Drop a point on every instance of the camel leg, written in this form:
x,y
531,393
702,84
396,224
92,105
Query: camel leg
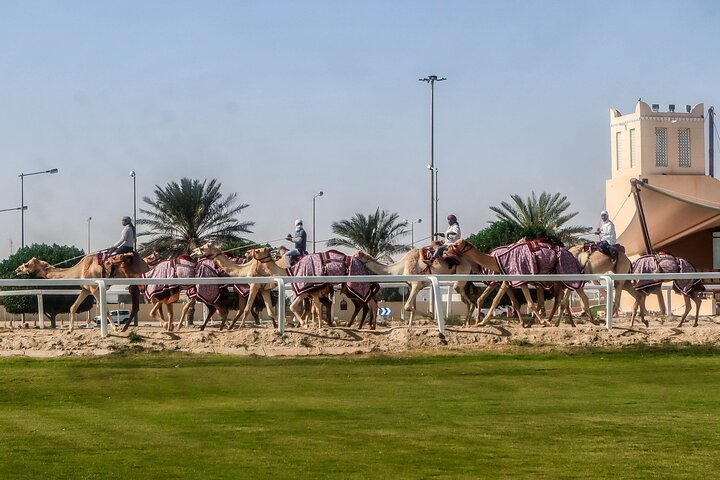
x,y
586,304
459,287
223,312
184,313
295,309
242,303
211,311
496,301
357,307
488,290
559,291
528,298
687,310
254,289
372,312
415,288
171,316
698,300
267,299
74,307
619,287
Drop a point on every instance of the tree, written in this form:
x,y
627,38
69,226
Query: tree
x,y
547,212
188,214
502,232
505,232
52,304
375,234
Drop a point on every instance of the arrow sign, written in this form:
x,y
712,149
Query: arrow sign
x,y
384,311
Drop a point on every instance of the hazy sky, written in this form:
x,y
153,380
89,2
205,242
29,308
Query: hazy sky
x,y
280,99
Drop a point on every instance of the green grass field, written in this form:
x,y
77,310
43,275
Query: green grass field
x,y
622,415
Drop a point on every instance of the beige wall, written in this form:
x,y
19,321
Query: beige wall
x,y
644,121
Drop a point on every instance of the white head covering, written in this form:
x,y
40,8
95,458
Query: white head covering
x,y
604,212
298,222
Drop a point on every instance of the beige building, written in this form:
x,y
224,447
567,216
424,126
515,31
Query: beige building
x,y
663,152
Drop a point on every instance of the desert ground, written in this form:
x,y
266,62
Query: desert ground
x,y
390,338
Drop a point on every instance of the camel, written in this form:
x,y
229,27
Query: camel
x,y
117,266
412,264
467,250
260,265
665,263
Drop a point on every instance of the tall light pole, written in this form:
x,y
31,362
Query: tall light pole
x,y
435,171
318,194
431,79
88,220
23,207
132,174
412,232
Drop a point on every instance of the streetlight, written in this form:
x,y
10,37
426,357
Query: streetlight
x,y
435,170
412,232
318,194
23,207
431,79
16,208
88,220
132,174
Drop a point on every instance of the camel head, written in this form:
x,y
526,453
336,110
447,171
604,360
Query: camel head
x,y
153,259
209,250
34,267
457,247
362,256
261,254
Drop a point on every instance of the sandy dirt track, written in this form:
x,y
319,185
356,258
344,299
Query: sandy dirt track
x,y
396,338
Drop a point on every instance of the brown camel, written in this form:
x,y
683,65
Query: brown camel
x,y
412,264
118,266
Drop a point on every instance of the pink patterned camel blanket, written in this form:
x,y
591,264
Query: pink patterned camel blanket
x,y
208,294
180,267
332,263
666,263
535,258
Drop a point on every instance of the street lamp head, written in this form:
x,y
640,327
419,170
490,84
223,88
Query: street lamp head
x,y
132,173
52,170
89,218
419,220
320,193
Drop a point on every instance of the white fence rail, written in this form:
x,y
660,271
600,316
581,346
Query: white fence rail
x,y
434,281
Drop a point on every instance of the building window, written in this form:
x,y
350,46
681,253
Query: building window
x,y
661,147
716,250
618,150
633,148
684,147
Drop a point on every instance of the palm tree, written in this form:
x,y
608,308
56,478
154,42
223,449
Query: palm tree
x,y
374,234
185,215
547,212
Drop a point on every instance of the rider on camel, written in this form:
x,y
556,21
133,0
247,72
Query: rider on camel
x,y
451,235
608,239
126,244
300,241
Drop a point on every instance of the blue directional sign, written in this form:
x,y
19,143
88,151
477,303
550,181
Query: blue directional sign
x,y
384,311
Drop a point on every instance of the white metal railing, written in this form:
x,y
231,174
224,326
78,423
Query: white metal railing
x,y
435,281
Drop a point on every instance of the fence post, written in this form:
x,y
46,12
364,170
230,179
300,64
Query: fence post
x,y
102,293
41,311
281,306
438,302
609,301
